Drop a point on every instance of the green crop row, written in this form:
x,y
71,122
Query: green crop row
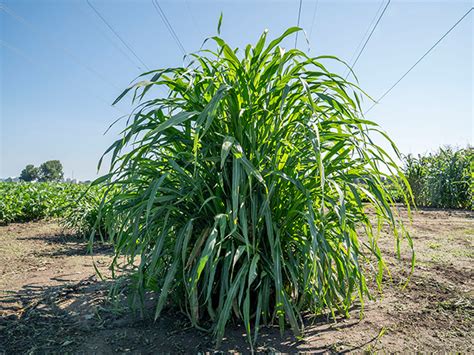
x,y
75,204
442,179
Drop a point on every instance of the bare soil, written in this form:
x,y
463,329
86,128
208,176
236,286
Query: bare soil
x,y
52,301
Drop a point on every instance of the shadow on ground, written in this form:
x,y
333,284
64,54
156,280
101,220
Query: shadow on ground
x,y
48,318
47,304
64,245
77,317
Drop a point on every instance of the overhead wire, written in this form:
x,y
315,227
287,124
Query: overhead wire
x,y
17,51
168,25
117,34
196,23
22,54
298,22
420,59
111,41
313,22
368,38
51,43
366,32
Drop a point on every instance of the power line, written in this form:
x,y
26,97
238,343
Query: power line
x,y
22,54
365,34
73,57
419,60
116,34
107,37
368,38
192,16
313,20
168,25
16,50
298,23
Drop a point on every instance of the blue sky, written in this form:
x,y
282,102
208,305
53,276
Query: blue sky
x,y
62,67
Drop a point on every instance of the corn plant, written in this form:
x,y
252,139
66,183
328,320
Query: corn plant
x,y
415,170
238,195
82,214
441,179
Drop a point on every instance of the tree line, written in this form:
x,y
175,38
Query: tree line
x,y
51,170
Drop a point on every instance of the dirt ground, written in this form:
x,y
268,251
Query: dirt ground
x,y
51,300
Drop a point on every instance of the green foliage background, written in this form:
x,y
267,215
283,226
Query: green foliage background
x,y
442,179
76,205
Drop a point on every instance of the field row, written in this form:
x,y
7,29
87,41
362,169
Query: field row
x,y
76,205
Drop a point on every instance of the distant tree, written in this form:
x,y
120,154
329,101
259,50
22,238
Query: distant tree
x,y
29,173
51,170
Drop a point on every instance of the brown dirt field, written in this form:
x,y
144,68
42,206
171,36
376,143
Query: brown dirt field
x,y
51,300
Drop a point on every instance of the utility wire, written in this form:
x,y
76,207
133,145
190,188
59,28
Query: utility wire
x,y
16,50
73,57
168,25
192,16
368,38
298,22
365,34
419,60
116,34
107,37
313,20
22,54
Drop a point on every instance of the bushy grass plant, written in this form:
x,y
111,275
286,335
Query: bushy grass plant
x,y
238,195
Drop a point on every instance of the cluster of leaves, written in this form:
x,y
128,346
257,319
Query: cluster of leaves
x,y
75,204
51,170
238,192
83,215
442,179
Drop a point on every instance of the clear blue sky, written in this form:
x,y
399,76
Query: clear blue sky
x,y
54,108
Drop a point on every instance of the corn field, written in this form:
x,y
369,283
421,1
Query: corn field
x,y
442,179
237,195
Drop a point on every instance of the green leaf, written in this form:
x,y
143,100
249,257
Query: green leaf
x,y
219,24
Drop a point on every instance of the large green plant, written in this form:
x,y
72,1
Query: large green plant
x,y
441,179
415,170
240,192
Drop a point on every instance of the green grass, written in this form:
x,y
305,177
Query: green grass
x,y
240,191
434,245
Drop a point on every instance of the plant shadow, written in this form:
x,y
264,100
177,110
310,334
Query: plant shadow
x,y
79,317
68,245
